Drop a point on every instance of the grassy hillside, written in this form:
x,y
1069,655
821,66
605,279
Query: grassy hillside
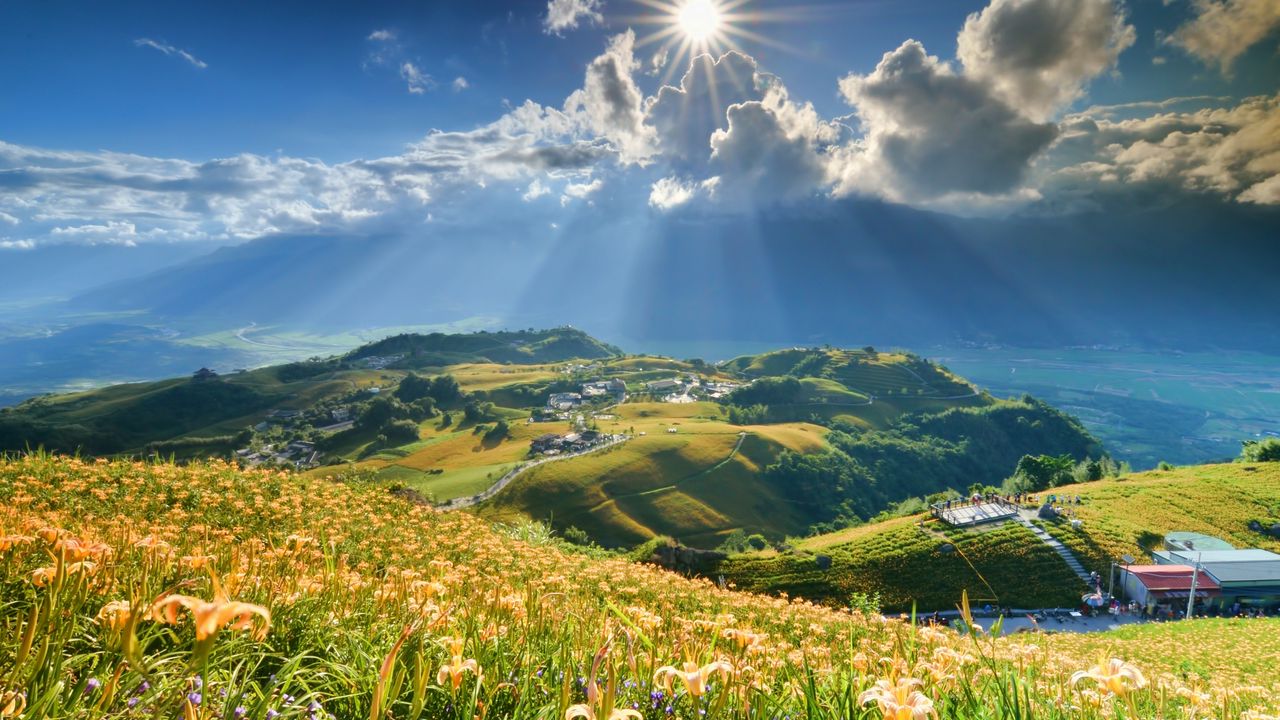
x,y
698,484
358,604
126,418
1132,514
1005,564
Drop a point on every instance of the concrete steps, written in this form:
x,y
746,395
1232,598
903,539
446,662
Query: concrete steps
x,y
1058,547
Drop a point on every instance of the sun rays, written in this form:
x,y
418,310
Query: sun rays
x,y
688,28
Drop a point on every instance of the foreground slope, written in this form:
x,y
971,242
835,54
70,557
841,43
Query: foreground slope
x,y
360,604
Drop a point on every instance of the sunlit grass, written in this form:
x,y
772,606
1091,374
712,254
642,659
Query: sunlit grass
x,y
381,608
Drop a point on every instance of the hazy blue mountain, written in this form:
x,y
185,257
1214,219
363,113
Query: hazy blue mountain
x,y
858,271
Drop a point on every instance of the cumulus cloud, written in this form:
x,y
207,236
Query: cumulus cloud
x,y
460,83
1222,30
930,131
7,244
580,191
1229,151
610,102
7,218
762,159
536,190
685,116
669,193
1038,55
383,35
168,49
565,15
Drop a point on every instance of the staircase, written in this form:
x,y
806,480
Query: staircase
x,y
1058,547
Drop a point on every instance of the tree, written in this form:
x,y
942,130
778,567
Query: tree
x,y
1266,450
414,387
499,431
400,432
445,389
377,413
1041,472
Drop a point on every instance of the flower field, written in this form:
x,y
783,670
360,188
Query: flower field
x,y
151,590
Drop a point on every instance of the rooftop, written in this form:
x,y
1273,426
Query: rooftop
x,y
1162,578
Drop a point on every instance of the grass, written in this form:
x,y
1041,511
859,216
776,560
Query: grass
x,y
358,604
689,484
906,565
1125,516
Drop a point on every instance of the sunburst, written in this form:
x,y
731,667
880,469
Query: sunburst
x,y
688,28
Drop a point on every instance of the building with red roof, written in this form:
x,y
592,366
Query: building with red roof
x,y
1165,585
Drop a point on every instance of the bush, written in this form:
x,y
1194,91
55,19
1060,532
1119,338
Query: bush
x,y
400,432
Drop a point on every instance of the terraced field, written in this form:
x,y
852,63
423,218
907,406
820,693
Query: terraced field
x,y
907,565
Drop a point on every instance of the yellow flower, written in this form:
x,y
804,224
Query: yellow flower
x,y
457,667
8,542
899,701
12,703
694,677
1115,676
114,615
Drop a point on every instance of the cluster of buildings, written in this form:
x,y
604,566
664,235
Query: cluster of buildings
x,y
682,389
574,442
299,454
380,362
1227,580
600,388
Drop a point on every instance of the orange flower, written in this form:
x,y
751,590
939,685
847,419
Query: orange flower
x,y
12,703
211,617
114,615
457,667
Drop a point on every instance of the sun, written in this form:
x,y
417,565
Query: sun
x,y
699,20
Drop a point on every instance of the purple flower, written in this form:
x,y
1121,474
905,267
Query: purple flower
x,y
194,698
240,711
92,685
272,714
133,701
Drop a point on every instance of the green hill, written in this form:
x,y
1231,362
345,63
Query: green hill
x,y
128,418
909,559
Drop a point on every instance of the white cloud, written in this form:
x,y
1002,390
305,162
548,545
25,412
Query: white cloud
x,y
7,218
1222,30
565,15
417,81
686,116
581,191
168,49
610,103
1229,151
1038,55
7,244
1266,192
930,131
383,35
460,83
671,192
536,190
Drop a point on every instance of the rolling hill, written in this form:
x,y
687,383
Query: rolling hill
x,y
903,559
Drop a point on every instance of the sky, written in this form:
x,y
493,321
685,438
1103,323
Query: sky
x,y
222,122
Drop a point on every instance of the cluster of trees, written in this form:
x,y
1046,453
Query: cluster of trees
x,y
751,415
443,390
769,391
1036,473
867,471
1265,450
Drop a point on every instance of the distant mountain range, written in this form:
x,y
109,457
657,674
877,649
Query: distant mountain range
x,y
857,271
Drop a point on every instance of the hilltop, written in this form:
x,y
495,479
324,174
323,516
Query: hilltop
x,y
354,602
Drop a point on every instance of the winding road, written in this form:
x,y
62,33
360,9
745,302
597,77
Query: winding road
x,y
470,500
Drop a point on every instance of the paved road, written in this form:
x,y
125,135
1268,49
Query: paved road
x,y
505,480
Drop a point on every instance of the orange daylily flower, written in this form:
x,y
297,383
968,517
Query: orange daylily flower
x,y
114,615
457,667
12,703
211,617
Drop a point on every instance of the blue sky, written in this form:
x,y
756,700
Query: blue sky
x,y
329,84
297,76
